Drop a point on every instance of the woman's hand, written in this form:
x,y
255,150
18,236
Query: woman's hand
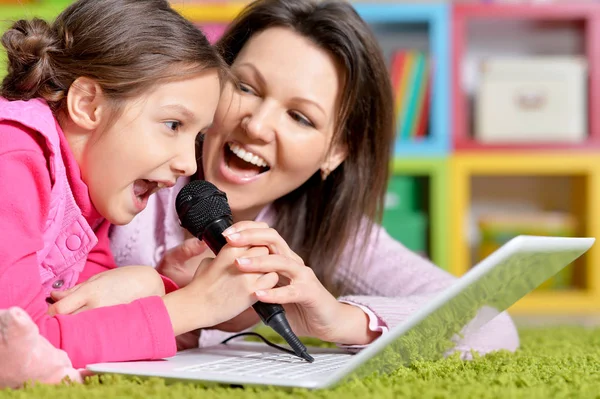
x,y
310,308
112,287
181,262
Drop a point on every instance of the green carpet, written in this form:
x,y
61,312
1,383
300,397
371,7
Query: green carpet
x,y
560,362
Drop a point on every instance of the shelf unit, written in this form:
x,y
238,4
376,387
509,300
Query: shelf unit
x,y
435,170
426,158
579,161
450,158
586,167
586,13
436,17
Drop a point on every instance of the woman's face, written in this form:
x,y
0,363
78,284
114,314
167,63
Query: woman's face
x,y
273,131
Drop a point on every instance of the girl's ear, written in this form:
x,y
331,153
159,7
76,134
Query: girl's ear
x,y
86,104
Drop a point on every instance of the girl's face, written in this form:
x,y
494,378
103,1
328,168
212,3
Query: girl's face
x,y
273,131
148,146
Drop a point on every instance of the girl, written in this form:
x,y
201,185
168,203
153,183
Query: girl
x,y
99,111
302,143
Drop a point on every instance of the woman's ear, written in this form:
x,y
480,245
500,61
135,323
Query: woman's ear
x,y
86,104
334,158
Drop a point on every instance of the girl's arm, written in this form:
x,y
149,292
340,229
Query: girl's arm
x,y
100,259
139,330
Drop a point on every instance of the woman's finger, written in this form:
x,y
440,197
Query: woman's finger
x,y
245,225
272,263
266,237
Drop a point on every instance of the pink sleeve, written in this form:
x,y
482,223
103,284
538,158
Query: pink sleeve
x,y
100,259
394,282
139,330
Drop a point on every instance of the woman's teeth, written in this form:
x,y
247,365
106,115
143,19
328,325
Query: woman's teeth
x,y
247,155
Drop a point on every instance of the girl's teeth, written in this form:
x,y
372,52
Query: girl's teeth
x,y
247,157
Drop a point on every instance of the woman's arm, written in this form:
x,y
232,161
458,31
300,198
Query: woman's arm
x,y
394,282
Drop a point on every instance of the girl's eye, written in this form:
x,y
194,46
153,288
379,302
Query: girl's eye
x,y
173,125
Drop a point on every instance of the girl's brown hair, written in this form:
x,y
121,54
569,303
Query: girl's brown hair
x,y
126,46
320,219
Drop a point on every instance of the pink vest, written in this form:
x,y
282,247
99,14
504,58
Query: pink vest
x,y
68,238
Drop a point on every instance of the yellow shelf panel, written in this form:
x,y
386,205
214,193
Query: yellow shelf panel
x,y
209,13
464,166
554,163
557,302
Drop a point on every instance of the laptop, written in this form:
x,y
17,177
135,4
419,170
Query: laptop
x,y
488,289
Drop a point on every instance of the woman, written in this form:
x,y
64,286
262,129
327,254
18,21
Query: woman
x,y
302,144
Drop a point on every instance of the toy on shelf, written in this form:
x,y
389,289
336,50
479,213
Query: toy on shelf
x,y
532,100
497,229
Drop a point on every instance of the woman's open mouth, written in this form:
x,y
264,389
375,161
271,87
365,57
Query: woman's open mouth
x,y
244,163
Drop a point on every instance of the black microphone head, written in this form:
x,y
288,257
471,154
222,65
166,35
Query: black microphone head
x,y
198,204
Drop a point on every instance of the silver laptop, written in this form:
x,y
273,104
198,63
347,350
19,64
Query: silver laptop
x,y
488,289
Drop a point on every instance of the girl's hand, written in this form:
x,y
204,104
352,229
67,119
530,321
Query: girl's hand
x,y
218,292
248,318
310,308
112,287
181,262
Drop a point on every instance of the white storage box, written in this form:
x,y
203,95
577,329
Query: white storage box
x,y
532,100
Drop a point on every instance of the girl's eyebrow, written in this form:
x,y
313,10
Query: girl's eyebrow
x,y
182,109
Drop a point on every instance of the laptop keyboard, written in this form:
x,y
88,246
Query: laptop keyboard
x,y
271,365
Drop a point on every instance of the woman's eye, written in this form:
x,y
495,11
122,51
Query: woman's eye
x,y
301,119
173,125
245,88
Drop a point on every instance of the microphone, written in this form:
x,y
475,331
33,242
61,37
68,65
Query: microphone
x,y
204,212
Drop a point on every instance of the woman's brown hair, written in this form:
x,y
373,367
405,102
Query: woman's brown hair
x,y
126,46
320,219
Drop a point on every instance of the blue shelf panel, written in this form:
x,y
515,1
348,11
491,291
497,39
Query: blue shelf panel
x,y
426,148
437,16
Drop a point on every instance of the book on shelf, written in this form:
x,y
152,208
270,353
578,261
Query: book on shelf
x,y
410,74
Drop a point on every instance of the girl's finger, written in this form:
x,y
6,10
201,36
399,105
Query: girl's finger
x,y
81,309
190,248
282,295
58,295
69,304
266,281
